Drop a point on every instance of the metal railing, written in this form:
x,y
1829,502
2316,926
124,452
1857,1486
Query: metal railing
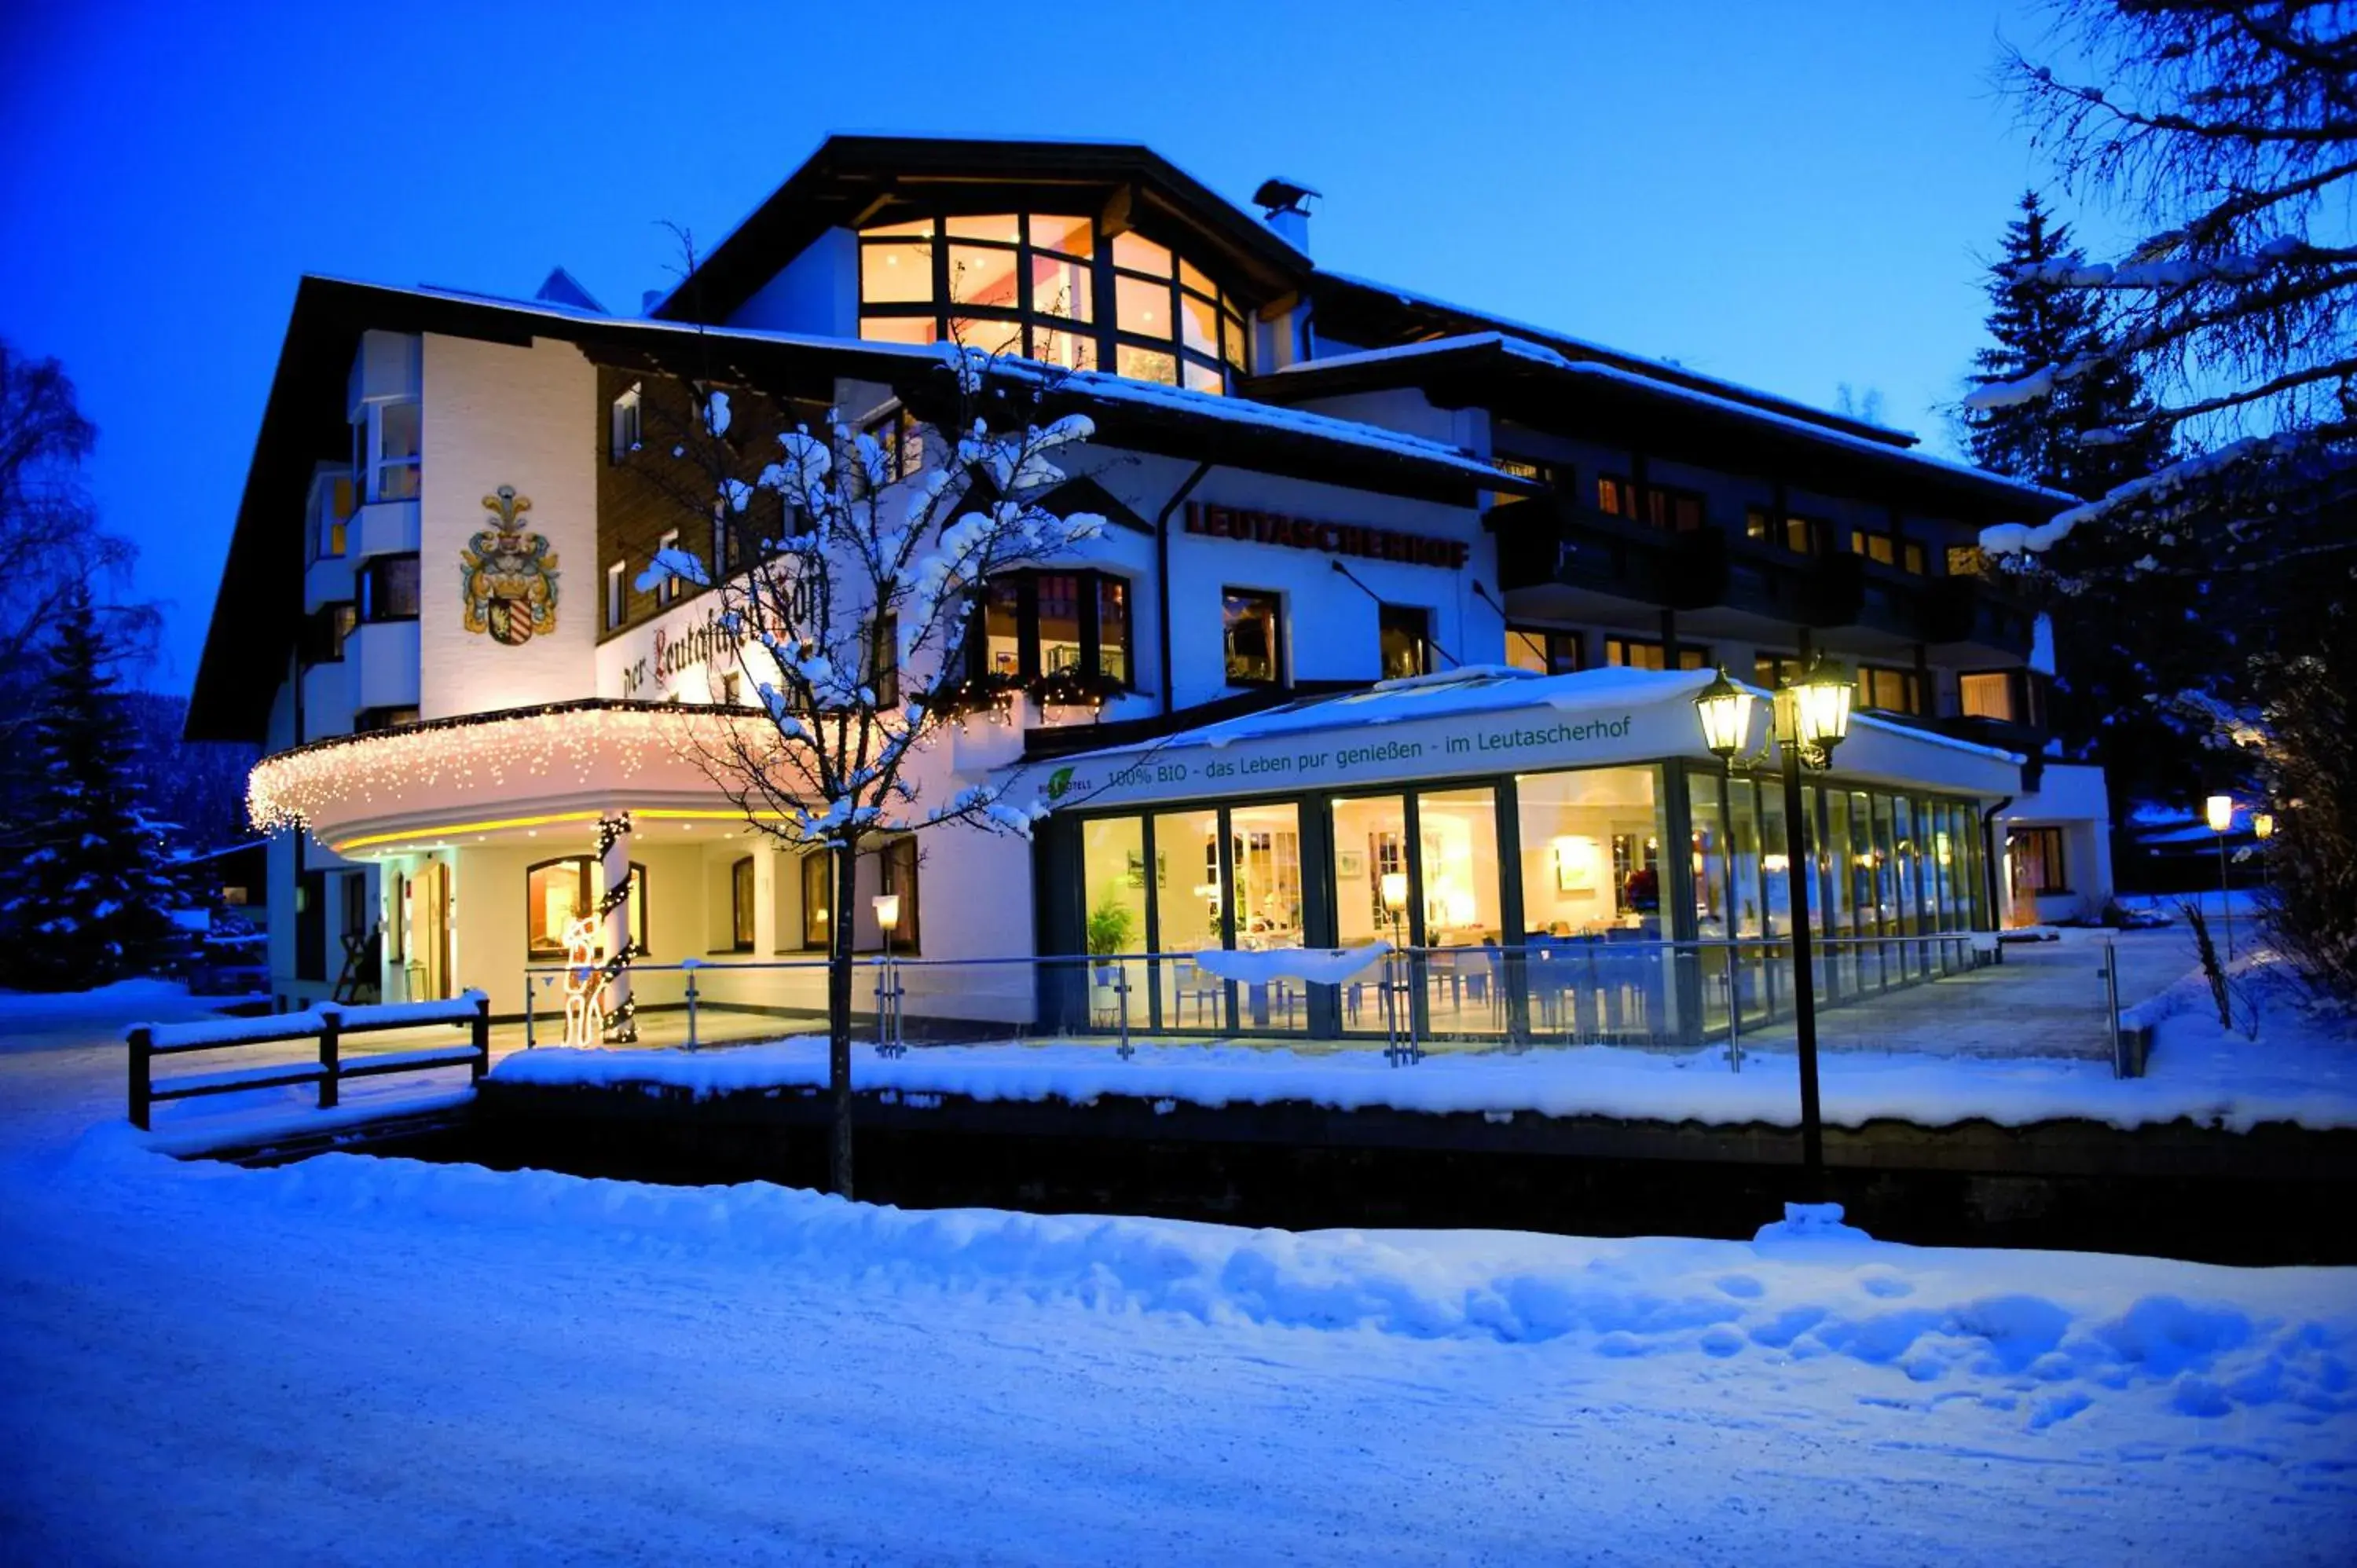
x,y
1733,994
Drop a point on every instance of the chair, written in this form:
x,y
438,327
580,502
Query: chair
x,y
1191,981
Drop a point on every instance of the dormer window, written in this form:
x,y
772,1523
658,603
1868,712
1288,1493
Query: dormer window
x,y
1036,285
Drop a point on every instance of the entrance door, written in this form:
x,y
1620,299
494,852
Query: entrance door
x,y
429,933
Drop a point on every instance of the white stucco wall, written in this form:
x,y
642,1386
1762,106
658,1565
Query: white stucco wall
x,y
500,415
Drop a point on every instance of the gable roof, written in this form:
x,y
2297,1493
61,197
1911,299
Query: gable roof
x,y
257,611
1357,310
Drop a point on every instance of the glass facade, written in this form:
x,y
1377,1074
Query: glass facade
x,y
1539,905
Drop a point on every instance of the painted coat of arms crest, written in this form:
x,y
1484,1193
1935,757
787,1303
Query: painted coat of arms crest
x,y
508,574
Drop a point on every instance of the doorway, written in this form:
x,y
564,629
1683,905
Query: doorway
x,y
425,925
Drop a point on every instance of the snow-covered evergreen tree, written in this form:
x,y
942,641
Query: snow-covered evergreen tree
x,y
2118,649
85,898
2085,438
2231,132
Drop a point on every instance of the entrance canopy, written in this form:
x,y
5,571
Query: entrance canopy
x,y
485,773
1474,721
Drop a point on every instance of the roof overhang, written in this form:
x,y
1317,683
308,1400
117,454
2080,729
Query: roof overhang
x,y
1533,384
258,609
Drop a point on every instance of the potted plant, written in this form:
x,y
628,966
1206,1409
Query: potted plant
x,y
1110,925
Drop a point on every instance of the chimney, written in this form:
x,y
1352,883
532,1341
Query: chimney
x,y
1285,207
649,299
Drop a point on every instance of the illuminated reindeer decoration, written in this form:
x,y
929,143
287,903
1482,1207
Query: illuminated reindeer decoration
x,y
585,984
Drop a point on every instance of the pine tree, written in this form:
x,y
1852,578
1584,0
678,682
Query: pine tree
x,y
86,899
2065,442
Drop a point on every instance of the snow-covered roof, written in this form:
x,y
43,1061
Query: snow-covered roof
x,y
1480,689
1549,361
1469,721
1815,432
1749,397
1521,348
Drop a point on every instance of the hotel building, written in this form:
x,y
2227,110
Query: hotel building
x,y
1394,592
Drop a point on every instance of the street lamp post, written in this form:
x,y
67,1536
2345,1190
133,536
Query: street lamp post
x,y
1811,716
888,979
2220,810
1398,970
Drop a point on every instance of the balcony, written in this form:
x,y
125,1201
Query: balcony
x,y
1546,540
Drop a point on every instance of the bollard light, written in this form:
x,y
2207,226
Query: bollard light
x,y
2220,810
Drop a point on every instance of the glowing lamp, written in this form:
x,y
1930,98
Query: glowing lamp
x,y
1394,891
2220,810
1725,709
2263,823
888,911
1813,712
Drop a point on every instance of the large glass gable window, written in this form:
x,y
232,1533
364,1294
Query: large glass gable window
x,y
1048,287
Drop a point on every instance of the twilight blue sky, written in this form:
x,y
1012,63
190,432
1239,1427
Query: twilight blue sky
x,y
1793,196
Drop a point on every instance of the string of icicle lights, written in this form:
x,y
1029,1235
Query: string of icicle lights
x,y
554,746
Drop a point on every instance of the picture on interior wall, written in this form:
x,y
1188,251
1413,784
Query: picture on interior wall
x,y
1574,872
1350,864
1136,872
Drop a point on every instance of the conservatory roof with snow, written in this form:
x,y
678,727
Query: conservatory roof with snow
x,y
1471,722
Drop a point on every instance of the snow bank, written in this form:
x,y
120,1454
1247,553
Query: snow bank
x,y
2313,1085
2054,1336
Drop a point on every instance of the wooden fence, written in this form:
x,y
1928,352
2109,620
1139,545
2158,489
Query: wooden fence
x,y
331,1024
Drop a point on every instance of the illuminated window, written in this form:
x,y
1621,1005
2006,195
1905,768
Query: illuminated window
x,y
1251,625
1405,635
1801,535
740,906
1035,285
332,499
616,605
2036,857
899,874
1635,653
1989,695
558,892
1774,669
1967,560
1055,624
1893,691
1889,549
818,898
1541,651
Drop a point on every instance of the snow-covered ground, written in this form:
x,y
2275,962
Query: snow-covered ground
x,y
383,1362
